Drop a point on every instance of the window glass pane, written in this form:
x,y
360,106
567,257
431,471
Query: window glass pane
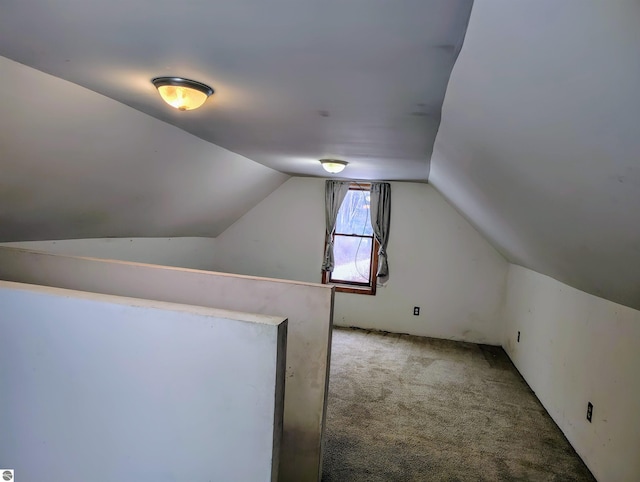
x,y
352,259
354,217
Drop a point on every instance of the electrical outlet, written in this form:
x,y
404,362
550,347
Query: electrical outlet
x,y
416,310
589,411
518,337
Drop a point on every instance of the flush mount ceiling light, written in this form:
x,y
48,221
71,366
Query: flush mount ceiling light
x,y
333,166
183,94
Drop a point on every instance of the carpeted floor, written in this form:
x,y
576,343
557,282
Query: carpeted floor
x,y
404,408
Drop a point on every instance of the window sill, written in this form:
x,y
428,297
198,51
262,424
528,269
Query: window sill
x,y
364,290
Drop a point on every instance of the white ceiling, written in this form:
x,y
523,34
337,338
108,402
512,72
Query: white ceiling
x,y
295,80
539,144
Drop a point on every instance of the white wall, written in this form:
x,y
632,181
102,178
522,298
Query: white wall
x,y
436,259
104,388
196,253
308,307
575,348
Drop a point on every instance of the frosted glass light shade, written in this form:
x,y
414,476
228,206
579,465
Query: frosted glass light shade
x,y
183,94
333,166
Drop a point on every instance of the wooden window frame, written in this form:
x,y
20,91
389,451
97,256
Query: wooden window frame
x,y
354,286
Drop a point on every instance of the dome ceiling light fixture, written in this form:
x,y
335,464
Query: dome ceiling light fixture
x,y
333,166
183,94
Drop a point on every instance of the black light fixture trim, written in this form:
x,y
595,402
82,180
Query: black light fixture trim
x,y
180,82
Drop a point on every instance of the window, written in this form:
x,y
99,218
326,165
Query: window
x,y
355,249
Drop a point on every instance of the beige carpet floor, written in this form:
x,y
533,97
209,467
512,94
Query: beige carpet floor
x,y
404,408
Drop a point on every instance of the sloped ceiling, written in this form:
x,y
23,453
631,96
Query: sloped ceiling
x,y
295,80
76,164
539,144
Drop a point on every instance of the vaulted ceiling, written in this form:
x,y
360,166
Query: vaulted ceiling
x,y
76,164
538,145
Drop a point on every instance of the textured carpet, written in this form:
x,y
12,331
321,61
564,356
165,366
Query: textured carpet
x,y
405,408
